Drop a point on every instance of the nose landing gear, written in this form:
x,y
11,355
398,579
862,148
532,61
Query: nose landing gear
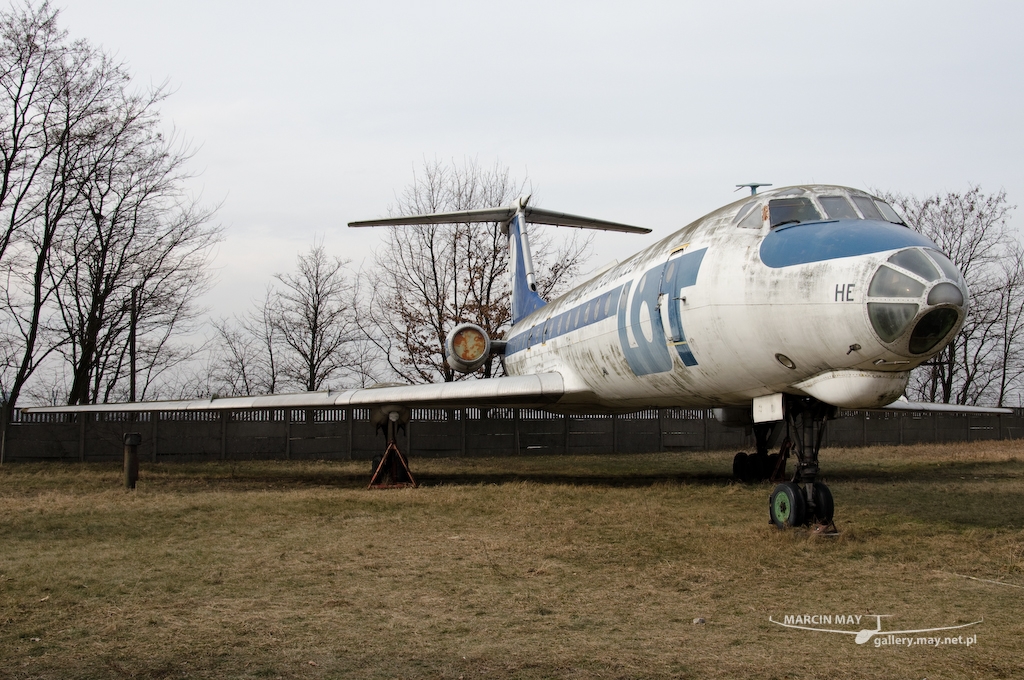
x,y
804,500
800,499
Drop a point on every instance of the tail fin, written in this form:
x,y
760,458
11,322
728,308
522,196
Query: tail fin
x,y
525,299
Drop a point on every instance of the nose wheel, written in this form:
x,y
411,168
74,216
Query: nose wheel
x,y
803,499
788,506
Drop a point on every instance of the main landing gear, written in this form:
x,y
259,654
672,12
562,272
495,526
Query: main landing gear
x,y
801,500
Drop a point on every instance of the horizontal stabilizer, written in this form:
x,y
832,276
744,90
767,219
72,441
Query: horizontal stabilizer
x,y
533,216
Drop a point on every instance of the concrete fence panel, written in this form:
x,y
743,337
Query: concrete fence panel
x,y
342,434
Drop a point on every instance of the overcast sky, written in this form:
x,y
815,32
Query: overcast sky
x,y
307,115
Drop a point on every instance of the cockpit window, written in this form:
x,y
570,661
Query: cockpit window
x,y
787,210
753,219
888,213
743,211
867,208
838,208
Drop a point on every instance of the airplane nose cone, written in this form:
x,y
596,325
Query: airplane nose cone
x,y
917,301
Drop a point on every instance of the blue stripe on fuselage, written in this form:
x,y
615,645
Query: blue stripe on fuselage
x,y
794,244
580,316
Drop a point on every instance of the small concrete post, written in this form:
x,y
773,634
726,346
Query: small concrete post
x,y
131,458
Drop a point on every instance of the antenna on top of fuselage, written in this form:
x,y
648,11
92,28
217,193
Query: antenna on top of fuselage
x,y
753,186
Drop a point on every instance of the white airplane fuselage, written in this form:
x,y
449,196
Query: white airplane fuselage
x,y
730,308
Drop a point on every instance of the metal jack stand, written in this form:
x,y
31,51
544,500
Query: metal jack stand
x,y
825,529
392,471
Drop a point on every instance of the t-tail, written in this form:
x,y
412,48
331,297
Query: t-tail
x,y
525,298
513,221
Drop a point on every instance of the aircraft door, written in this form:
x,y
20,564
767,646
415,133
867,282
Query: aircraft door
x,y
680,273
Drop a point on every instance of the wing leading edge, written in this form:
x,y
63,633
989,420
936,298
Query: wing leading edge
x,y
928,407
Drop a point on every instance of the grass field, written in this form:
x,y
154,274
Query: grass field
x,y
565,567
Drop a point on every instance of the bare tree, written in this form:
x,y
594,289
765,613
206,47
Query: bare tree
x,y
980,364
137,254
1010,368
315,320
56,95
33,52
91,210
426,279
249,347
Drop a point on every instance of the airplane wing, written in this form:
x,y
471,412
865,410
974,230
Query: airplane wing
x,y
526,391
904,405
533,216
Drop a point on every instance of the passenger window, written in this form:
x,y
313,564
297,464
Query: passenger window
x,y
867,208
838,208
787,210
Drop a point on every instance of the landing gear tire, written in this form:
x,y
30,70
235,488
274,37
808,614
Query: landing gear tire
x,y
741,466
786,506
824,506
759,466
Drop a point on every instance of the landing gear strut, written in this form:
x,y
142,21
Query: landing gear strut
x,y
760,466
798,499
803,499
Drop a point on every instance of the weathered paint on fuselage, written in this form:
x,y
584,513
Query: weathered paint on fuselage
x,y
698,318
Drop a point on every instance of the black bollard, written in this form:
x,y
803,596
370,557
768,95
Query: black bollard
x,y
131,458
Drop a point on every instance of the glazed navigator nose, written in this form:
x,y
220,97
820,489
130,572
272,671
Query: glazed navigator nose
x,y
916,300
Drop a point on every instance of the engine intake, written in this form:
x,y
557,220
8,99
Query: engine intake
x,y
467,347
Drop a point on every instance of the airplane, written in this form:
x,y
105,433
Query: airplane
x,y
775,310
865,634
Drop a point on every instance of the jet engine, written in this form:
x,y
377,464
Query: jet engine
x,y
467,347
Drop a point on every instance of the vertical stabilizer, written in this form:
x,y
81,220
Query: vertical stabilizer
x,y
524,286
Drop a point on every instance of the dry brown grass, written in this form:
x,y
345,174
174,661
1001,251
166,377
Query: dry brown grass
x,y
525,568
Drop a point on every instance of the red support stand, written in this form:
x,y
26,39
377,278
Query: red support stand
x,y
393,470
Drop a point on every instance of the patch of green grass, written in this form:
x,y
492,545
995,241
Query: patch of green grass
x,y
530,567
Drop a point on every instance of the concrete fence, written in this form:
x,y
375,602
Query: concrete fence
x,y
342,434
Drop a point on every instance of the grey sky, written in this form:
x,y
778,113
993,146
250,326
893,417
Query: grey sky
x,y
310,114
